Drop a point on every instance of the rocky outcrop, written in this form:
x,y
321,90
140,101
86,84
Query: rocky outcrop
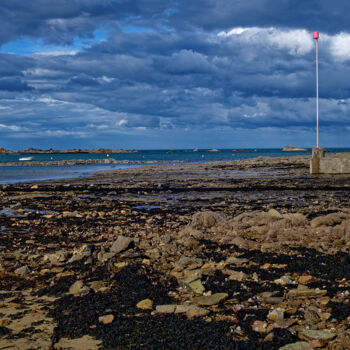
x,y
290,148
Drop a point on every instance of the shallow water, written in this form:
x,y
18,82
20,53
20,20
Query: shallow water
x,y
15,174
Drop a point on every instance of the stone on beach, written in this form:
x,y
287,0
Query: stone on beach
x,y
206,219
106,319
314,334
300,345
78,288
190,310
23,270
145,304
211,299
307,293
122,243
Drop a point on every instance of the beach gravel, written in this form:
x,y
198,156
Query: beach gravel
x,y
229,255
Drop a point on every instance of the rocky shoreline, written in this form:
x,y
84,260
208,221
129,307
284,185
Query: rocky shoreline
x,y
230,255
89,162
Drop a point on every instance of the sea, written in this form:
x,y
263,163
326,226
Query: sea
x,y
16,174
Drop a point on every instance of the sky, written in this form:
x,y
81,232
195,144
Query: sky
x,y
155,74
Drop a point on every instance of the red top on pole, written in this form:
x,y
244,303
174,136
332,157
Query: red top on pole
x,y
316,35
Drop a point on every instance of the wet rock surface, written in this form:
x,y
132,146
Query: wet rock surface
x,y
244,255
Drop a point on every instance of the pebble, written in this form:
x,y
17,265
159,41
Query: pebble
x,y
276,314
23,270
106,319
79,289
145,304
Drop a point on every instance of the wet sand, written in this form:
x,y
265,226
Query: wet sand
x,y
232,255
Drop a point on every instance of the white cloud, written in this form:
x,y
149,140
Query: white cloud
x,y
295,41
57,53
339,46
12,127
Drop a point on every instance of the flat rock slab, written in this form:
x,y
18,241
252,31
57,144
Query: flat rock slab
x,y
210,300
300,345
316,334
190,310
307,293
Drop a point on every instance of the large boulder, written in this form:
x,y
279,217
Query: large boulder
x,y
330,219
206,219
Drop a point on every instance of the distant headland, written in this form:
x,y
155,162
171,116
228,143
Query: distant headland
x,y
31,150
289,148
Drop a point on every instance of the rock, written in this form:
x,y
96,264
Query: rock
x,y
206,219
276,314
196,311
236,275
167,239
23,270
244,243
274,214
79,289
300,345
191,232
291,149
71,214
190,242
285,323
99,286
261,327
330,219
79,254
104,256
189,263
311,334
145,304
273,300
284,280
57,258
122,243
342,342
306,293
166,309
190,310
311,316
236,261
106,319
211,299
305,279
194,285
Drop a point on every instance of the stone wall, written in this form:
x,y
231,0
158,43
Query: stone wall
x,y
329,164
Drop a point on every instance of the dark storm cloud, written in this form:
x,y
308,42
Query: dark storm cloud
x,y
166,65
60,21
329,16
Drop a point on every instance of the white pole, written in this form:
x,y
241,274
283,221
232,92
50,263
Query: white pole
x,y
317,89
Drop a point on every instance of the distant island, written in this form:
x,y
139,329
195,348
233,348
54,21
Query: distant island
x,y
73,150
289,148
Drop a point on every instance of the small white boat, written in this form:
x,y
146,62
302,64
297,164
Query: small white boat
x,y
26,158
